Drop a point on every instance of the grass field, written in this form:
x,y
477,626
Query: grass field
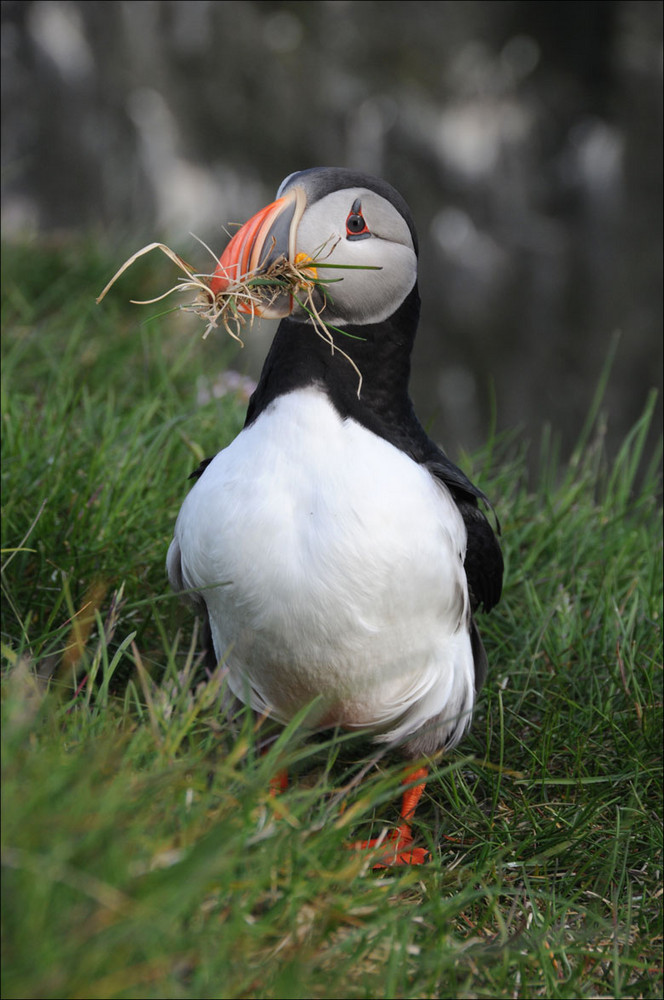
x,y
143,855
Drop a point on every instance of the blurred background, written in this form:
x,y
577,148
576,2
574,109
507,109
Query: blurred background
x,y
526,136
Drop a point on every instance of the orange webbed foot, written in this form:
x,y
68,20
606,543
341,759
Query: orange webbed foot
x,y
397,846
397,849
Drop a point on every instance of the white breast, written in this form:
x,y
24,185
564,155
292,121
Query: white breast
x,y
333,569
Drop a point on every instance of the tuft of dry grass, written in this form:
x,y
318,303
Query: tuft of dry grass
x,y
253,294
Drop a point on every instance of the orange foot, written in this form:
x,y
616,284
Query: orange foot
x,y
398,849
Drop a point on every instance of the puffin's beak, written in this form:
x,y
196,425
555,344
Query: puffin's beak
x,y
267,236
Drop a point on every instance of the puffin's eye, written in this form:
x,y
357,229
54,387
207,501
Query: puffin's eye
x,y
356,227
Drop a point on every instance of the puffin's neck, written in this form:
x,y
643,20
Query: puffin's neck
x,y
299,357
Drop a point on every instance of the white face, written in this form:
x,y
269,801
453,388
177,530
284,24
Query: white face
x,y
365,296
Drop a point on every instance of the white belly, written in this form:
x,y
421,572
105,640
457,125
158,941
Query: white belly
x,y
333,568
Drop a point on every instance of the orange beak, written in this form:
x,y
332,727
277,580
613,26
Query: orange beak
x,y
264,239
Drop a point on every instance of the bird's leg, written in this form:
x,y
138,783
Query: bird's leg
x,y
397,844
278,782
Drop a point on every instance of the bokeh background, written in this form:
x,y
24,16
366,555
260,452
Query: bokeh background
x,y
526,136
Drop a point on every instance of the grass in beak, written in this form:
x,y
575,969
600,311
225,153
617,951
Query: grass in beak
x,y
254,294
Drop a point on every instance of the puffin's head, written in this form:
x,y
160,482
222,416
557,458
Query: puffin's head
x,y
335,216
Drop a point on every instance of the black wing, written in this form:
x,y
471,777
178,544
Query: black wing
x,y
200,469
484,560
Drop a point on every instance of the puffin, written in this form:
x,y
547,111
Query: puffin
x,y
337,555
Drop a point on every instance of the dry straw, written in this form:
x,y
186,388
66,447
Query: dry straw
x,y
243,300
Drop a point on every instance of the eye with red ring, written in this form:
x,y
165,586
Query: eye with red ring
x,y
356,227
